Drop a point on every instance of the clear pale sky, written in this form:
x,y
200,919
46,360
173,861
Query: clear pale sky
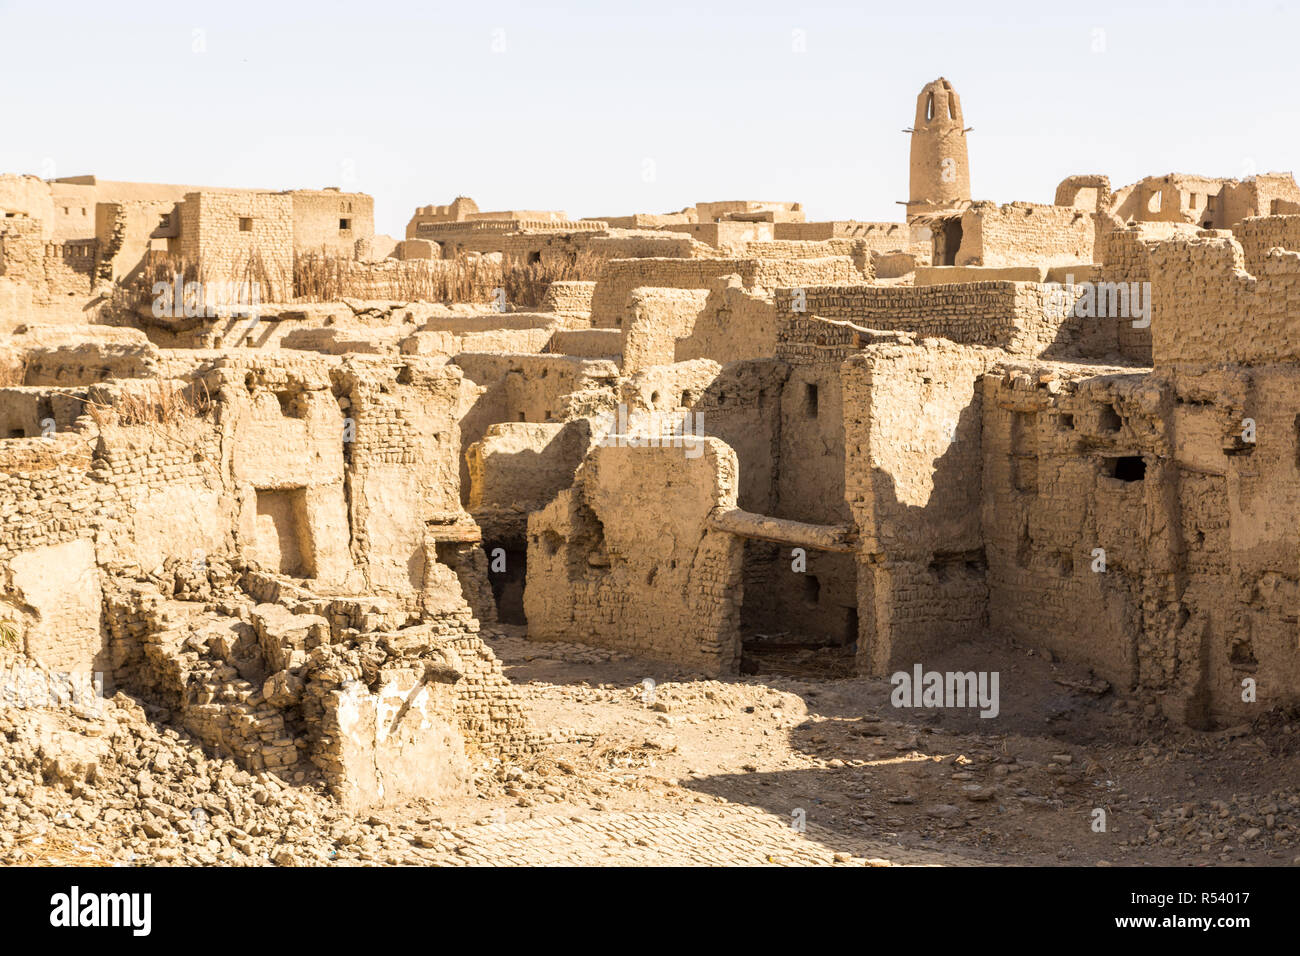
x,y
609,108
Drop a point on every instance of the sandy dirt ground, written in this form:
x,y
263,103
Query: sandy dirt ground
x,y
661,767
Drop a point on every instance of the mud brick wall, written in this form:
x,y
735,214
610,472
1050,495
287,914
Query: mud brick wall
x,y
165,494
620,276
727,235
809,340
318,216
587,343
1197,593
528,388
46,493
912,438
739,403
49,509
659,317
1008,315
1258,234
876,236
487,704
53,270
856,249
1231,614
1207,309
402,466
26,197
657,583
566,296
89,363
811,475
645,245
1019,234
211,235
735,324
1125,256
1050,499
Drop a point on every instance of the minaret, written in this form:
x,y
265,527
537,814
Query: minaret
x,y
940,170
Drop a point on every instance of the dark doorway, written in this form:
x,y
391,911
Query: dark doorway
x,y
799,615
947,240
507,570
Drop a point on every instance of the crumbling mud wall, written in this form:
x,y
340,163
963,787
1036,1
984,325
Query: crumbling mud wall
x,y
1213,311
734,324
283,679
1119,514
513,387
1259,234
913,442
1066,473
620,276
517,468
47,553
53,270
658,583
255,547
1015,316
658,319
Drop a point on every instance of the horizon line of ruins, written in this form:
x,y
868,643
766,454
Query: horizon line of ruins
x,y
902,436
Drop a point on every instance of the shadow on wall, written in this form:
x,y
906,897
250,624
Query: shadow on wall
x,y
922,568
1103,318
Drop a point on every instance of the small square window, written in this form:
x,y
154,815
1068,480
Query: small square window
x,y
345,225
245,224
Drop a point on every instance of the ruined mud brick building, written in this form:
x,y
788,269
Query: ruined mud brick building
x,y
1076,425
61,240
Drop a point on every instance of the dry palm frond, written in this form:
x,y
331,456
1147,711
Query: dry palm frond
x,y
49,849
